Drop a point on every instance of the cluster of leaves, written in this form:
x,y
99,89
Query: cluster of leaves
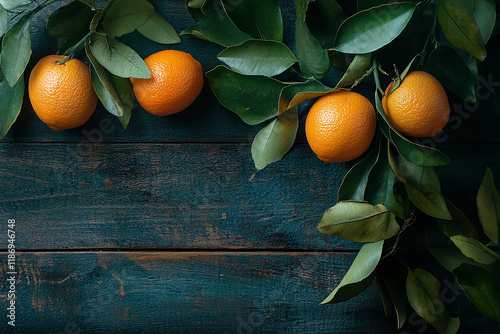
x,y
79,25
383,194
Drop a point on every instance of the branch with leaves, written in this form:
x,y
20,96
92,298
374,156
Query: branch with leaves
x,y
395,183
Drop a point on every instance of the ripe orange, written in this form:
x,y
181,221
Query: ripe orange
x,y
177,79
419,107
340,126
61,95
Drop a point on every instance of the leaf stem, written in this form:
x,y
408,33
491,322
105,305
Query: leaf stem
x,y
431,34
72,51
375,67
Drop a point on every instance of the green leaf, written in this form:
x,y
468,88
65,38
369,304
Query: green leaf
x,y
13,4
275,139
451,257
354,183
68,20
196,3
214,25
159,30
254,98
482,289
260,19
124,16
323,19
423,291
395,279
4,21
11,101
366,4
453,325
359,221
475,249
360,274
16,50
484,13
384,296
118,58
313,59
460,28
125,91
449,68
89,3
371,29
415,153
458,225
380,184
256,57
357,70
296,93
488,204
422,185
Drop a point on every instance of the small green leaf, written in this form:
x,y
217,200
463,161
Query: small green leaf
x,y
458,225
449,68
214,25
260,19
196,3
371,29
359,221
395,280
125,91
354,183
384,296
451,257
482,288
254,98
256,57
13,4
275,139
118,58
16,50
360,274
488,204
295,94
423,291
11,101
460,28
4,21
313,59
159,30
453,326
475,249
484,13
358,69
124,16
68,20
323,18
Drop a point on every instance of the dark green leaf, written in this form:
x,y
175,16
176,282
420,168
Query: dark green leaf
x,y
422,185
374,28
366,4
260,19
295,94
360,274
213,24
313,59
256,57
402,197
69,19
484,13
124,89
475,249
89,3
453,325
488,204
4,21
460,28
196,3
384,296
323,19
449,68
11,101
354,183
275,139
254,98
482,289
451,257
458,225
395,282
13,4
118,58
359,221
124,16
423,291
16,50
358,69
159,30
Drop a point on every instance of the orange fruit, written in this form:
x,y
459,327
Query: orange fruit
x,y
176,81
61,94
419,107
340,126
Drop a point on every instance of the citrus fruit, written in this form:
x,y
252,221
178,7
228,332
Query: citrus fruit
x,y
176,80
340,126
419,107
61,94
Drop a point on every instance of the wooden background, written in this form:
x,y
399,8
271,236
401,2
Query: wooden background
x,y
167,227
